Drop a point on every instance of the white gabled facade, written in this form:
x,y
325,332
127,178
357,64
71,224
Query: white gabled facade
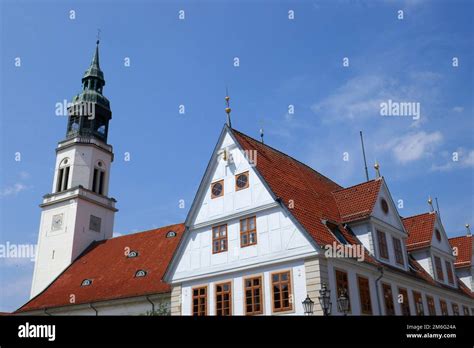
x,y
281,244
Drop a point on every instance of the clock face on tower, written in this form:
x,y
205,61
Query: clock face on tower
x,y
57,222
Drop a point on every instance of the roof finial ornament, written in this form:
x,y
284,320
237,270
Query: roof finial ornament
x,y
430,202
468,228
98,36
261,134
228,109
377,169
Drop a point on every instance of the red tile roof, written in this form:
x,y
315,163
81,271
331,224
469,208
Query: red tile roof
x,y
464,247
420,230
294,182
111,272
357,202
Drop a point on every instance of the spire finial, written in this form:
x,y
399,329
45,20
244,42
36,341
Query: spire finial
x,y
228,109
98,36
468,228
261,134
377,169
430,202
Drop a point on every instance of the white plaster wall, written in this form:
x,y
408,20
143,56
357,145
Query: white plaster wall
x,y
465,275
389,235
298,288
47,268
277,238
392,218
83,236
83,159
363,232
232,201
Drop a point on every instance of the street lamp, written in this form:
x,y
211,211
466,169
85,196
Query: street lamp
x,y
325,299
343,302
308,305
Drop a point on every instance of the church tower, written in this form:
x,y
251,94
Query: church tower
x,y
78,210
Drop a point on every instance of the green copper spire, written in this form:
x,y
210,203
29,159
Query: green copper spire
x,y
94,69
95,124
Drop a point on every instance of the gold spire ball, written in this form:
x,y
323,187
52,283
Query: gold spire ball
x,y
377,167
228,110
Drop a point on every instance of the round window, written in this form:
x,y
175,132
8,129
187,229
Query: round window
x,y
217,189
438,235
242,180
384,205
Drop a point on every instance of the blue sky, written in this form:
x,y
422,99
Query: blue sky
x,y
282,62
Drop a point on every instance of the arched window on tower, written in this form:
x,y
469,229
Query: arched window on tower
x,y
98,179
62,180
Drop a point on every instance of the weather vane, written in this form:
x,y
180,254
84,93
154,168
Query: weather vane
x,y
98,35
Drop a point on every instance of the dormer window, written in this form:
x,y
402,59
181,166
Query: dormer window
x,y
217,189
140,273
132,254
383,249
86,282
439,269
242,181
397,247
171,234
336,232
449,271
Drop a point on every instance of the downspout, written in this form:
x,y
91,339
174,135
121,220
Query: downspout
x,y
46,312
95,310
152,305
380,268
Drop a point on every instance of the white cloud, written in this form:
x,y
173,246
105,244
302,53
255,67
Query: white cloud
x,y
13,190
458,109
116,234
414,146
465,159
360,97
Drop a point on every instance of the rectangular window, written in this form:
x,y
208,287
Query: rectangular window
x,y
449,271
388,299
253,296
224,299
281,292
465,310
219,239
397,247
200,301
383,250
431,305
364,295
101,183
248,231
404,302
342,286
455,308
66,178
418,303
439,269
59,181
444,307
94,180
